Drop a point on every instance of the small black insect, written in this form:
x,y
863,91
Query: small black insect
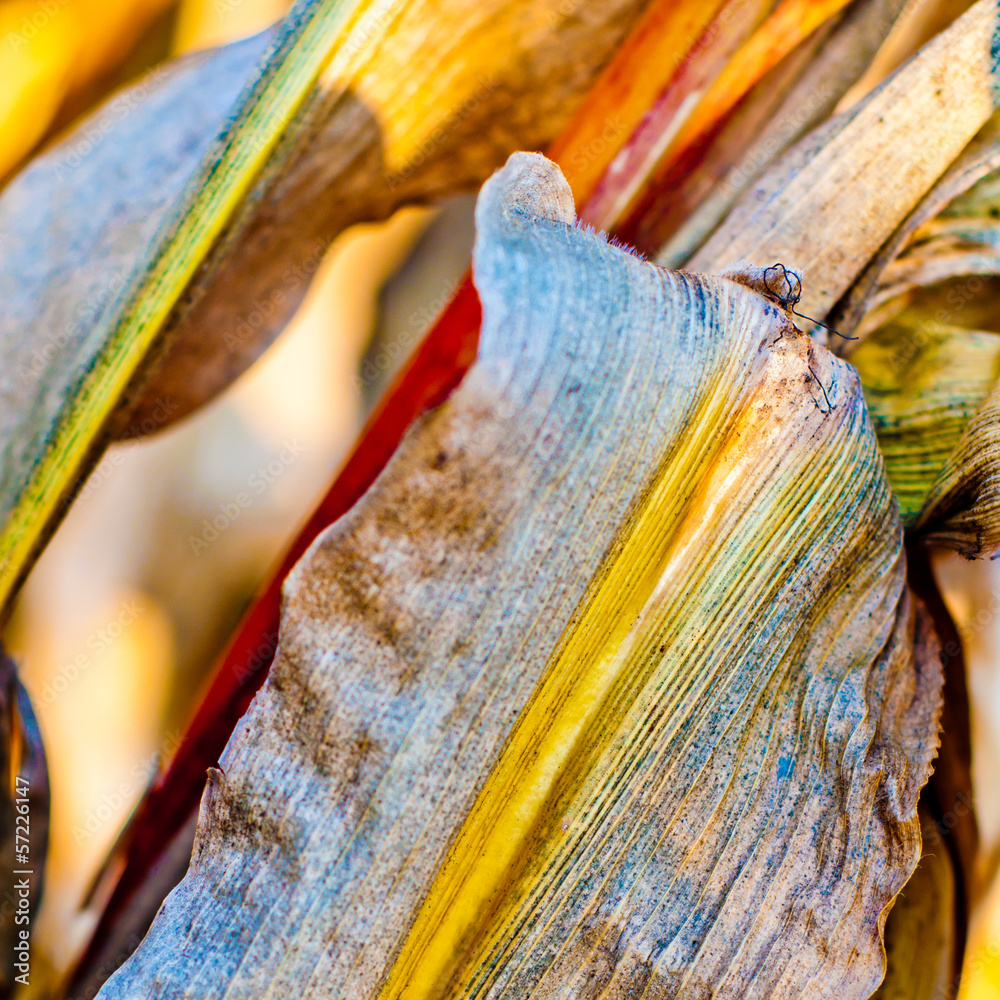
x,y
785,287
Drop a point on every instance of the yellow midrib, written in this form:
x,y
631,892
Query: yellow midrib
x,y
765,565
579,675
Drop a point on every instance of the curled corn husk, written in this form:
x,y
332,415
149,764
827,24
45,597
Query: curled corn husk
x,y
961,509
607,685
930,382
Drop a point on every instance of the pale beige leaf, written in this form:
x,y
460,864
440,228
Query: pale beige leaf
x,y
903,265
796,96
830,203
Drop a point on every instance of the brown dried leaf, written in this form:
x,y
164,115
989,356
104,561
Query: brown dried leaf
x,y
920,936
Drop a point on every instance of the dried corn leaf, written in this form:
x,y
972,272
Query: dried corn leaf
x,y
904,264
606,685
943,249
982,199
418,99
79,221
669,108
921,21
931,384
969,250
788,26
925,374
359,107
962,510
661,62
792,99
950,792
926,279
658,53
833,200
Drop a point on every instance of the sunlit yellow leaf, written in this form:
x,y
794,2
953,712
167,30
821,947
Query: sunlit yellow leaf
x,y
50,47
203,23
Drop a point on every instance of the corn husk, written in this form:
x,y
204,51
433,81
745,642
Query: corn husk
x,y
920,252
930,380
923,383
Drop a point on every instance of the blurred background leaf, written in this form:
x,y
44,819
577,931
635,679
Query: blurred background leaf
x,y
58,55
